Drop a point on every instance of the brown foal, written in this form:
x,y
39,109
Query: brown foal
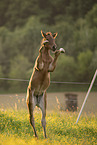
x,y
40,78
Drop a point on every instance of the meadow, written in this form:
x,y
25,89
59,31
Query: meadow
x,y
61,128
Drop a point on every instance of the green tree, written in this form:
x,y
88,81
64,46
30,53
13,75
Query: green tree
x,y
20,67
19,11
65,69
78,9
83,69
93,65
92,17
1,76
3,9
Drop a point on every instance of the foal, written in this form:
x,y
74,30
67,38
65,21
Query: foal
x,y
40,79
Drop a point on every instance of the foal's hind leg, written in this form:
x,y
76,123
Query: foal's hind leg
x,y
31,102
42,105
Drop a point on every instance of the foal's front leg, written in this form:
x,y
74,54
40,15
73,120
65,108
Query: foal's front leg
x,y
53,63
39,61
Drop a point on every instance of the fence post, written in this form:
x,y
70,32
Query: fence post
x,y
92,82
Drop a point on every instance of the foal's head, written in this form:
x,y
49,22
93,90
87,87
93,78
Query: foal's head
x,y
49,40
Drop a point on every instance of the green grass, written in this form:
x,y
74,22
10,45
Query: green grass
x,y
61,129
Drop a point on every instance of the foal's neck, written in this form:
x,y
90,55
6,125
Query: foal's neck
x,y
46,51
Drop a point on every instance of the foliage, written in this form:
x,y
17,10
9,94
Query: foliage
x,y
91,17
93,65
19,65
16,13
65,64
84,61
61,128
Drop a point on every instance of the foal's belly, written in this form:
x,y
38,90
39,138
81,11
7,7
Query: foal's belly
x,y
40,82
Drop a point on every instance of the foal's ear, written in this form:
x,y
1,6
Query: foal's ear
x,y
43,34
55,35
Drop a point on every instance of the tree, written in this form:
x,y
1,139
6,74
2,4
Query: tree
x,y
65,69
3,9
19,11
92,17
20,67
93,64
1,76
83,69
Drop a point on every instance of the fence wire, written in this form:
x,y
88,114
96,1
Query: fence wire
x,y
53,82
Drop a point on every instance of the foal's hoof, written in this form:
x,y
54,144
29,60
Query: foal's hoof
x,y
62,50
35,136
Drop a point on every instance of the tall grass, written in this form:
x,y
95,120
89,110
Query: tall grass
x,y
61,129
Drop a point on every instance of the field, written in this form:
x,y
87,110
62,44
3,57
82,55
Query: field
x,y
61,128
18,101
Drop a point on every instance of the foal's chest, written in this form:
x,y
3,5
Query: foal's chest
x,y
46,62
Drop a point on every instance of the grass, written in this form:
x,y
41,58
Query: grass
x,y
61,129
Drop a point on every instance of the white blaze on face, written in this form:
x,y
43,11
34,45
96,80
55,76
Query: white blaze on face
x,y
45,41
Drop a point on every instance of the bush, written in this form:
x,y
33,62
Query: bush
x,y
83,69
65,70
20,67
